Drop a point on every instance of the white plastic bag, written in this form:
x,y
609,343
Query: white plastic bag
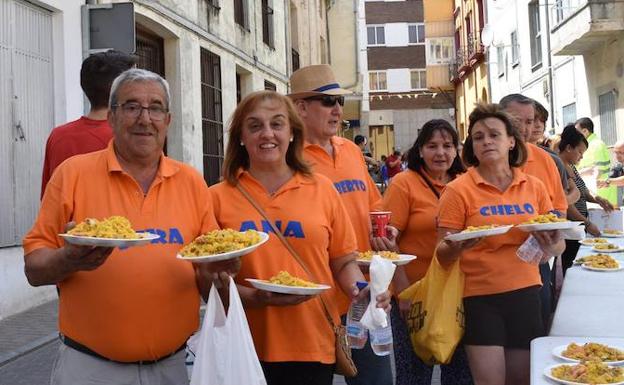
x,y
225,353
381,273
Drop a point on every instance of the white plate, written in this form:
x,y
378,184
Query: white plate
x,y
403,259
462,236
618,250
109,242
590,244
230,254
559,349
584,266
529,227
549,368
607,235
283,289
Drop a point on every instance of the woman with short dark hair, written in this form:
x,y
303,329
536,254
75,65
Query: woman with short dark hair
x,y
501,291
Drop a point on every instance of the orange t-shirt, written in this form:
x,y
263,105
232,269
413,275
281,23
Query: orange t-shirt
x,y
541,165
414,210
142,303
314,221
359,194
492,265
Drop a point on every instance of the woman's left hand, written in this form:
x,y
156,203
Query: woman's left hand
x,y
547,239
383,301
386,243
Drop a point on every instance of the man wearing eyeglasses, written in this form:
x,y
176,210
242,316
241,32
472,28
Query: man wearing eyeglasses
x,y
125,313
319,101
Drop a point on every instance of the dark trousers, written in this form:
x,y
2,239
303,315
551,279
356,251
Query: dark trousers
x,y
569,254
411,370
546,295
300,373
372,369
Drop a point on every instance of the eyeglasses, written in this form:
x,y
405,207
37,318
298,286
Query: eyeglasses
x,y
134,110
328,100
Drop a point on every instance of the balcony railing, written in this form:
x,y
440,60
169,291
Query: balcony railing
x,y
562,9
475,48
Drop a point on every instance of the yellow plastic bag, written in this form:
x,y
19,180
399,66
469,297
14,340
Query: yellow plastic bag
x,y
436,318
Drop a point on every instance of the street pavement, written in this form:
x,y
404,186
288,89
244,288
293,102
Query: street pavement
x,y
28,346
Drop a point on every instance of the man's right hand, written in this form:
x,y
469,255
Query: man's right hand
x,y
268,298
79,258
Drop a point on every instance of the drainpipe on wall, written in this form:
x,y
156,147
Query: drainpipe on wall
x,y
487,59
327,31
550,69
287,41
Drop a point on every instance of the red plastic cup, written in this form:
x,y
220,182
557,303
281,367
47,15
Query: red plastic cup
x,y
379,220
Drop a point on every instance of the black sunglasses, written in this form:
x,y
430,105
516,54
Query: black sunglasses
x,y
328,100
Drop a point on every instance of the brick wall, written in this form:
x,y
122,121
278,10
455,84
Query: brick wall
x,y
411,11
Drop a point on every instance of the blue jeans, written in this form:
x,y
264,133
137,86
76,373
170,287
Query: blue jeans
x,y
372,369
411,370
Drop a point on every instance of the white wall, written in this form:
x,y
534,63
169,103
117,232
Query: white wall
x,y
569,80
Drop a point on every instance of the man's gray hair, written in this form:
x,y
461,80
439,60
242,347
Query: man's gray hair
x,y
137,75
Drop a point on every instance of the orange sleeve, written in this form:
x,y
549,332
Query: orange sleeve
x,y
453,208
342,236
397,200
54,213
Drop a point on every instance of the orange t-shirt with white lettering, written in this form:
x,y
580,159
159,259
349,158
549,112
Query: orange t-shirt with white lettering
x,y
492,266
359,194
142,303
414,209
313,220
541,165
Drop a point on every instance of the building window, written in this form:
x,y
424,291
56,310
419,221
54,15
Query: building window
x,y
535,34
269,86
606,109
239,12
416,33
440,50
295,60
418,79
376,35
514,48
212,115
377,81
500,60
207,9
569,114
267,24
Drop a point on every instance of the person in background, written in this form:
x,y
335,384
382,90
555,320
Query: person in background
x,y
413,199
597,160
537,137
294,341
541,165
393,162
361,142
571,149
91,132
319,99
125,314
501,292
616,176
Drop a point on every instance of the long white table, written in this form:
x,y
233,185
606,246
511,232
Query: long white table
x,y
542,357
590,308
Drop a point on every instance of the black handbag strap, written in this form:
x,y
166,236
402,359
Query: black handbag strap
x,y
428,182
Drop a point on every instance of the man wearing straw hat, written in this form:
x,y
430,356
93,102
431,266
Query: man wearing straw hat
x,y
319,101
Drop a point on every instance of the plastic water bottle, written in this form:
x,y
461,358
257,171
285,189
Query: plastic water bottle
x,y
357,334
381,339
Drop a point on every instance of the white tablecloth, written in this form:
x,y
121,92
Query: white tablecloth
x,y
541,353
590,308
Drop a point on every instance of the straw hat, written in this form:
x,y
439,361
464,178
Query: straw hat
x,y
314,80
